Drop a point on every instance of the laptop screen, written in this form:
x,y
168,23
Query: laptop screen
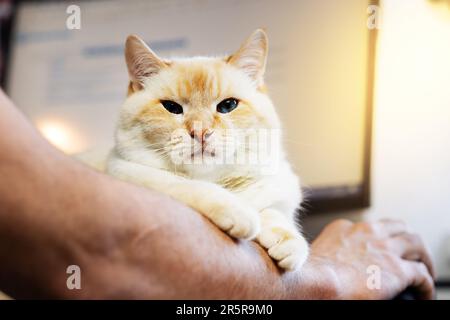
x,y
70,83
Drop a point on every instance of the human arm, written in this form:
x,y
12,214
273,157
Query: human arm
x,y
133,243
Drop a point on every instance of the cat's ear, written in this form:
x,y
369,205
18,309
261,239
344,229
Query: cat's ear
x,y
141,61
251,57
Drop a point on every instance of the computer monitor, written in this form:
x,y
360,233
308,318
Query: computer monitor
x,y
70,83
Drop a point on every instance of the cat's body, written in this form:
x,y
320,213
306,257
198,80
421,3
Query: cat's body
x,y
182,119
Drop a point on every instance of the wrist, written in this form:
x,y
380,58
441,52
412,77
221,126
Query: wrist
x,y
317,280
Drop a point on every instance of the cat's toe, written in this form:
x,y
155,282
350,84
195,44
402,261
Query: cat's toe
x,y
293,262
240,222
290,250
244,230
290,253
246,224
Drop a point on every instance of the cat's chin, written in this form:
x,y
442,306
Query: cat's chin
x,y
204,170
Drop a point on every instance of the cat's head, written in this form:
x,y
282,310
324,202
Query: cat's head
x,y
194,114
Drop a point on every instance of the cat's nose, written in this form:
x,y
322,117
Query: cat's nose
x,y
201,135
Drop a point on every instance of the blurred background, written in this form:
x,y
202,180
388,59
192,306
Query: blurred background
x,y
362,87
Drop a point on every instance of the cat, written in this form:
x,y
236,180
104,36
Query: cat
x,y
196,107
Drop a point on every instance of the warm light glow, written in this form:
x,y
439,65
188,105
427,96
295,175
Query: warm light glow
x,y
60,135
412,86
412,119
414,57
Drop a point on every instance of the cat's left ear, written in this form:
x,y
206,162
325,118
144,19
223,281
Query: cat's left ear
x,y
251,57
141,61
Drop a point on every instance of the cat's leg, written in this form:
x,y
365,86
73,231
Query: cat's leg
x,y
223,208
282,239
277,198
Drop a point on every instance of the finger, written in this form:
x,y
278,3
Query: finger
x,y
420,280
392,227
410,246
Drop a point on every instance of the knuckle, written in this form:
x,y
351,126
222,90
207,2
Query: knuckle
x,y
391,220
429,280
422,269
366,227
341,223
384,245
413,239
392,259
423,274
393,263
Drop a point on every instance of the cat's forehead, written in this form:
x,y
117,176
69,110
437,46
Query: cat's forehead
x,y
199,80
193,63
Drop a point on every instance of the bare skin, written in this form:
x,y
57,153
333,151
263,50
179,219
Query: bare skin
x,y
134,243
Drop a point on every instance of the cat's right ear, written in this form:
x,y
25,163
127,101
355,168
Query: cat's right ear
x,y
141,61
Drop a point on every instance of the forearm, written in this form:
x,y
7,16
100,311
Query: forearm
x,y
179,255
191,258
55,212
43,214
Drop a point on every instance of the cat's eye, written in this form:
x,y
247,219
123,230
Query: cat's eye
x,y
227,105
172,106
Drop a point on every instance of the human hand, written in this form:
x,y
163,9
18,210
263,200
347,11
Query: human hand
x,y
350,249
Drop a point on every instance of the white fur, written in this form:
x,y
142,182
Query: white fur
x,y
264,207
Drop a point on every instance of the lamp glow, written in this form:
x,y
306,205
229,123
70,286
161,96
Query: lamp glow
x,y
60,135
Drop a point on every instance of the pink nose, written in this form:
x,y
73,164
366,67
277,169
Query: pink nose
x,y
201,135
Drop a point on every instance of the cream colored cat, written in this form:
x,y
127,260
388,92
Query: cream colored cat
x,y
183,117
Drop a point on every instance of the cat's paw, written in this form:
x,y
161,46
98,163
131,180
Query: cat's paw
x,y
289,249
237,219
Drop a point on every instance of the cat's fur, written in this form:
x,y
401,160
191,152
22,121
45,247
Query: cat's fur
x,y
239,199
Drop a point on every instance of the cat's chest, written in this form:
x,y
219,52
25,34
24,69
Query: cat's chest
x,y
236,183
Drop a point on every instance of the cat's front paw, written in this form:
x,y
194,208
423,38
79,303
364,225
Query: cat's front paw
x,y
289,249
237,219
